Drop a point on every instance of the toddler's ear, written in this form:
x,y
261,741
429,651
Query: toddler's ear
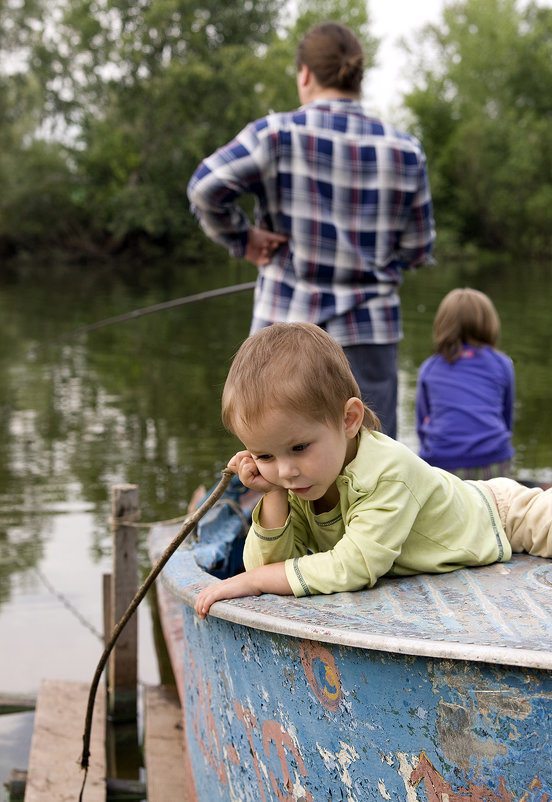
x,y
353,416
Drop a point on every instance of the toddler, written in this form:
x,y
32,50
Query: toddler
x,y
344,504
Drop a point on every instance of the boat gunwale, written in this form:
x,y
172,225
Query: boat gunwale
x,y
238,611
234,612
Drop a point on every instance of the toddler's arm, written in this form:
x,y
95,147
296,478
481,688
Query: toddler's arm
x,y
275,506
264,579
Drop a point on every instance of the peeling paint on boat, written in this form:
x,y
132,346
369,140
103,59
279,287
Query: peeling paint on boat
x,y
424,689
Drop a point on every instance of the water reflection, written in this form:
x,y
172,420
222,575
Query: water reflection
x,y
127,405
139,402
15,739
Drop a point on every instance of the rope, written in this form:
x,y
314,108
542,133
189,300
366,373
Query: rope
x,y
127,522
185,530
26,566
228,501
66,603
182,518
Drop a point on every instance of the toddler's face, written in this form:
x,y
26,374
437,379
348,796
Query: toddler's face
x,y
299,454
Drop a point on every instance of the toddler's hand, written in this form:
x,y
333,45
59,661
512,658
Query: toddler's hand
x,y
232,588
245,466
263,579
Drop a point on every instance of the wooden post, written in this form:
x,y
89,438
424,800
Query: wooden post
x,y
16,786
107,616
123,671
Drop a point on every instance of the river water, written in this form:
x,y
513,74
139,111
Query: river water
x,y
138,402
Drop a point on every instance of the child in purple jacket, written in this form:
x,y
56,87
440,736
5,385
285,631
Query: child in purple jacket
x,y
465,393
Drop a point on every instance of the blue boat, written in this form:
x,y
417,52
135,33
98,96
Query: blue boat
x,y
432,688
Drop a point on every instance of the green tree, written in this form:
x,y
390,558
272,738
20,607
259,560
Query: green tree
x,y
176,78
126,97
483,107
37,175
123,99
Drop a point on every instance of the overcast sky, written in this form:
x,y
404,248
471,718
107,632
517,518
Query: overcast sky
x,y
391,20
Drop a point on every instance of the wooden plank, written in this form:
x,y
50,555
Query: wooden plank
x,y
164,747
54,773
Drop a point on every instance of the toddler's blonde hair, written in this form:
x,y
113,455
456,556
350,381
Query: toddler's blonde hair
x,y
292,366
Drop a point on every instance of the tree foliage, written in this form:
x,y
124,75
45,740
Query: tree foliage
x,y
483,108
123,99
107,106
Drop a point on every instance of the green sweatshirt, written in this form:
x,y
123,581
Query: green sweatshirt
x,y
396,515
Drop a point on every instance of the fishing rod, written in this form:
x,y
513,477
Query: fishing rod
x,y
148,310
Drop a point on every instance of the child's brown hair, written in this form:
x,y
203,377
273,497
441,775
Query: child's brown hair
x,y
295,366
465,316
334,54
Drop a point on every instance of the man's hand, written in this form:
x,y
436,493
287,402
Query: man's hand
x,y
261,245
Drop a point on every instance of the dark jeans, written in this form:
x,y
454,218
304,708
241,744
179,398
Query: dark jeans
x,y
375,369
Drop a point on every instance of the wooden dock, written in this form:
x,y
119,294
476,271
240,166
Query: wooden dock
x,y
54,772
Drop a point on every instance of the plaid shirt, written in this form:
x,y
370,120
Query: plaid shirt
x,y
352,195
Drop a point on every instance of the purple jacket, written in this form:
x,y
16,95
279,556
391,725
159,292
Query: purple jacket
x,y
464,410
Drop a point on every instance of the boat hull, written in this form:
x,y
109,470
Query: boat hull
x,y
425,689
273,717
